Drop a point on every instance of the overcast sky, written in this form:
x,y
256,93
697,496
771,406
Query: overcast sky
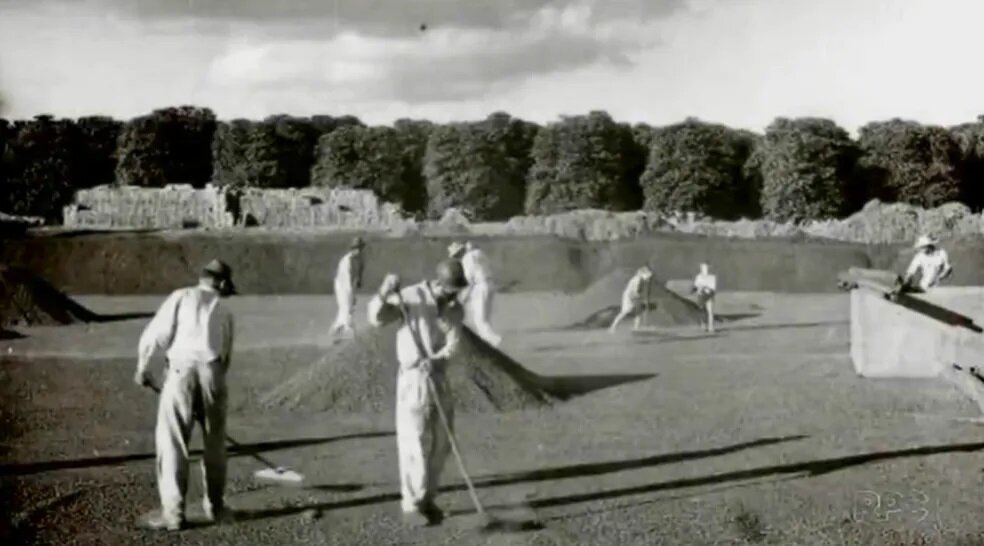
x,y
739,62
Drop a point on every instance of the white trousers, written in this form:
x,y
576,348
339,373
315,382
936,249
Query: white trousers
x,y
422,442
193,391
480,309
345,297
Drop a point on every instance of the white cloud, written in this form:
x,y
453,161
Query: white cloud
x,y
738,62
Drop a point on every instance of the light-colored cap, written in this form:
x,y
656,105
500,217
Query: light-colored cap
x,y
925,240
455,248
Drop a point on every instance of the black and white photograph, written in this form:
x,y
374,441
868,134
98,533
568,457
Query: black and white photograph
x,y
492,272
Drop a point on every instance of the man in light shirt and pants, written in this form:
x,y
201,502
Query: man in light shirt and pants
x,y
196,332
705,286
931,263
423,446
632,299
480,291
348,279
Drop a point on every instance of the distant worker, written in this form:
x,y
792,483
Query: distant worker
x,y
633,298
428,337
705,286
478,296
196,331
348,279
929,266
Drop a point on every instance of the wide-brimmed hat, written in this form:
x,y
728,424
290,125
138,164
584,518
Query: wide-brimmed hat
x,y
221,270
357,242
455,248
925,240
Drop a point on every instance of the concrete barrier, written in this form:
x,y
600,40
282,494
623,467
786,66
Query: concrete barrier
x,y
917,335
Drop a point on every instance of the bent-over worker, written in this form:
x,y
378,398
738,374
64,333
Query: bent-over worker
x,y
348,279
196,332
434,322
931,264
705,286
632,298
480,292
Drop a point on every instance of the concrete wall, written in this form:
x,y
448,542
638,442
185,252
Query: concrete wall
x,y
178,206
918,337
121,207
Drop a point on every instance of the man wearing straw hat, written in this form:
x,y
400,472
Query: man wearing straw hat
x,y
196,331
348,279
930,265
478,296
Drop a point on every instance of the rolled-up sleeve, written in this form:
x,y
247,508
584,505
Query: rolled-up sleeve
x,y
160,331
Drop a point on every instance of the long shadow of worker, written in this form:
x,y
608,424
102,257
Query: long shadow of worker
x,y
547,474
793,470
786,471
23,469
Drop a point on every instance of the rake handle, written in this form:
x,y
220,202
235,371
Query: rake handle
x,y
445,423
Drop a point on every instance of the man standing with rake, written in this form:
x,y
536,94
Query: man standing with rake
x,y
429,336
196,330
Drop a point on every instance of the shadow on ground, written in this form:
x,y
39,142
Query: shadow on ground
x,y
570,386
797,470
23,469
782,472
603,318
750,327
541,475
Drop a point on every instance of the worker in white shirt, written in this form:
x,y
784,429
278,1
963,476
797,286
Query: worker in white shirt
x,y
633,298
705,286
478,296
348,279
436,316
196,332
928,267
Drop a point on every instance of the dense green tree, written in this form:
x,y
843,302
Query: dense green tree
x,y
368,158
39,173
698,167
583,162
478,167
807,167
167,146
95,153
970,138
904,161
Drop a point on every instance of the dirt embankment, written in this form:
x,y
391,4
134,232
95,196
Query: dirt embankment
x,y
156,263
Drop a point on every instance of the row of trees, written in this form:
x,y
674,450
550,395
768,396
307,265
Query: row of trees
x,y
799,169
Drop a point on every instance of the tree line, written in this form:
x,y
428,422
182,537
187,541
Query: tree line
x,y
796,170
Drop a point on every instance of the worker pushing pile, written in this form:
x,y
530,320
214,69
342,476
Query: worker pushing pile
x,y
929,266
634,299
348,279
480,292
